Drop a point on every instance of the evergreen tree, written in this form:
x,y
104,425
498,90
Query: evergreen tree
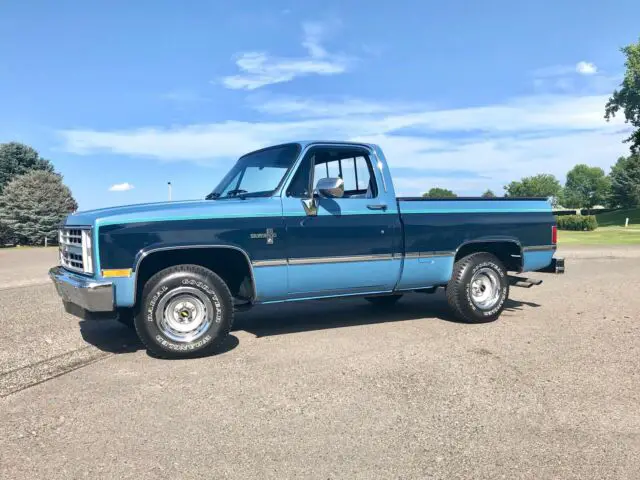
x,y
17,159
33,206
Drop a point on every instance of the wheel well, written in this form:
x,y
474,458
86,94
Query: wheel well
x,y
230,264
508,253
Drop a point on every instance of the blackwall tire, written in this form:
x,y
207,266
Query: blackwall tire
x,y
185,311
478,288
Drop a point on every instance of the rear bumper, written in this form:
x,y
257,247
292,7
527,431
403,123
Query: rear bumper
x,y
556,266
85,293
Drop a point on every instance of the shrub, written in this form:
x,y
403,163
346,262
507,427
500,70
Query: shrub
x,y
577,222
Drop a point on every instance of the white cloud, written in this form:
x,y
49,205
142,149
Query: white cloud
x,y
586,68
326,107
580,78
121,187
500,142
582,68
260,68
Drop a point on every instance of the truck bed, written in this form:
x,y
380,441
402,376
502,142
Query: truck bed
x,y
435,230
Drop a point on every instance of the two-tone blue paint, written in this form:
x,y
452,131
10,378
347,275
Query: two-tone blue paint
x,y
349,229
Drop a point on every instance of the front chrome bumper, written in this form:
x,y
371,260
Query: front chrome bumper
x,y
86,293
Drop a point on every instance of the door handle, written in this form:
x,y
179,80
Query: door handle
x,y
377,206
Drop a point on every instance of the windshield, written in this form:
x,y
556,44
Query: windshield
x,y
257,174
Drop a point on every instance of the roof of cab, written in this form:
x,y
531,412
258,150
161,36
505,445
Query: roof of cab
x,y
305,143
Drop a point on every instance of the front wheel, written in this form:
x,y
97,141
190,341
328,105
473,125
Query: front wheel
x,y
186,310
478,288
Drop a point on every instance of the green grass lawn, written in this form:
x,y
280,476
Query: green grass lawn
x,y
610,231
616,219
601,236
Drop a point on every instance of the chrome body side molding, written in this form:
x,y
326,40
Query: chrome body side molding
x,y
540,248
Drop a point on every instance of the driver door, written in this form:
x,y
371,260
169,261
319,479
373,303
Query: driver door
x,y
348,246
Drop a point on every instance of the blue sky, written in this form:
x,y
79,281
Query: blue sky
x,y
124,96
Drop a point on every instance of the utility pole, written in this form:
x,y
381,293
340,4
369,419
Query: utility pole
x,y
169,184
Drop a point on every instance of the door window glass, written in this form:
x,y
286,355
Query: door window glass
x,y
353,166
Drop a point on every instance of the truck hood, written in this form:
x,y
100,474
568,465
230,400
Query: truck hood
x,y
188,210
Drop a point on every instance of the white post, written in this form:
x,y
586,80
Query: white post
x,y
626,222
46,241
169,184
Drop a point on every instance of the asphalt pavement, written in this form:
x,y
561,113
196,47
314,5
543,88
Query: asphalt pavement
x,y
333,389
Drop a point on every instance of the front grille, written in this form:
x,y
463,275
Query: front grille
x,y
71,236
75,249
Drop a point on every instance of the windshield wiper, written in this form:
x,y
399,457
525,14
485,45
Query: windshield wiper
x,y
212,196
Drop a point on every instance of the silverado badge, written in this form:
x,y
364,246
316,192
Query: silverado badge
x,y
270,235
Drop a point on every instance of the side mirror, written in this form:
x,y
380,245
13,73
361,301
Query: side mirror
x,y
326,187
330,187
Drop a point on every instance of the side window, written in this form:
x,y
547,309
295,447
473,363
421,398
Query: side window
x,y
299,186
364,178
354,167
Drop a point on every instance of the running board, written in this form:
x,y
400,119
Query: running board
x,y
523,282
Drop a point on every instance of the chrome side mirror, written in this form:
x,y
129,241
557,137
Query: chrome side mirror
x,y
330,187
326,187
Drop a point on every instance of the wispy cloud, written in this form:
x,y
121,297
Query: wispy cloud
x,y
495,143
121,187
581,77
325,107
581,68
260,68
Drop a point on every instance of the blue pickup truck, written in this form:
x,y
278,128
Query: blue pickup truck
x,y
292,222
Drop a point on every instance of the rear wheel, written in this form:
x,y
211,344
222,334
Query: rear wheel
x,y
186,310
478,288
384,300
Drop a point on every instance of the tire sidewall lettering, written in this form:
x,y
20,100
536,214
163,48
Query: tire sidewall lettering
x,y
154,300
200,343
503,289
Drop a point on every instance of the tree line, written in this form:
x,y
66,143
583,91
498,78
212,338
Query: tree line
x,y
33,198
585,187
588,186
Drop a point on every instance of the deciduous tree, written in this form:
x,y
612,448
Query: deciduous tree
x,y
488,194
585,187
542,185
437,192
625,182
627,97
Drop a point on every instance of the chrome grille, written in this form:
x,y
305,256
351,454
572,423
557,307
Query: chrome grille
x,y
71,236
75,249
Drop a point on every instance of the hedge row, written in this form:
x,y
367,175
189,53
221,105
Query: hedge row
x,y
577,222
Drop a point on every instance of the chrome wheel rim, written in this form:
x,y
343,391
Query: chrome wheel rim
x,y
485,288
184,314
